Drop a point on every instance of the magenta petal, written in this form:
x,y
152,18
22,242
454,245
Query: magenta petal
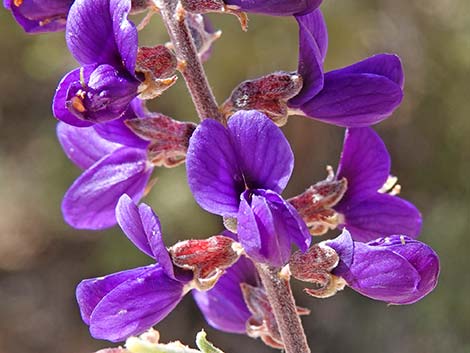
x,y
223,306
91,291
264,154
214,176
354,100
59,105
91,200
313,44
135,305
387,65
365,163
379,216
83,145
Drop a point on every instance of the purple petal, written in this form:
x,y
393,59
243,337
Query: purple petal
x,y
59,105
91,200
97,30
422,257
387,65
105,96
395,269
365,163
264,154
91,291
125,33
276,7
152,228
40,16
83,146
214,176
354,100
223,306
135,305
267,226
381,274
128,218
117,130
379,216
344,247
313,44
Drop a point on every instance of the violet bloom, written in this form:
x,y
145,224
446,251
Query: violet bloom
x,y
104,42
362,196
230,314
111,169
395,269
276,7
239,172
366,209
357,95
37,16
128,303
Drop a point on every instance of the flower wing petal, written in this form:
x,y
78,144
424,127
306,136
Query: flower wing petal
x,y
83,146
91,200
135,305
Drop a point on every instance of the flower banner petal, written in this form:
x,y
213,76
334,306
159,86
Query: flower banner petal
x,y
264,153
214,175
313,44
365,163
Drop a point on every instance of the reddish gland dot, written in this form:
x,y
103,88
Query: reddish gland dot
x,y
18,3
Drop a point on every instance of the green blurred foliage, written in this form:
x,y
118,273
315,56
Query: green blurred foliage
x,y
42,259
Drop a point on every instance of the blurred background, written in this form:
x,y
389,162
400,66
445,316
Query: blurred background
x,y
42,259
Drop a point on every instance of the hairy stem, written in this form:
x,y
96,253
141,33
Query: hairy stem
x,y
191,67
282,301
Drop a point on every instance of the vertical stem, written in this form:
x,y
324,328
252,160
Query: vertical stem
x,y
285,311
193,72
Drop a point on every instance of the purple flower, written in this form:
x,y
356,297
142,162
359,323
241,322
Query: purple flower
x,y
362,196
395,269
276,7
111,169
357,95
239,172
129,302
104,42
367,210
230,314
37,16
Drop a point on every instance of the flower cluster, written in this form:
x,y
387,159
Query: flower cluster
x,y
238,164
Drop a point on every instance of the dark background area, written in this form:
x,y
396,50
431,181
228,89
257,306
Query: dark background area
x,y
42,259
